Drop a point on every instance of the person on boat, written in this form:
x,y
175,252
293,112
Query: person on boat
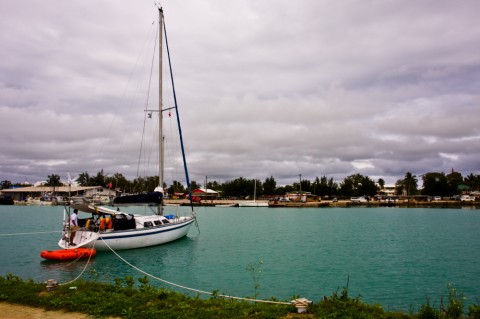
x,y
73,225
106,222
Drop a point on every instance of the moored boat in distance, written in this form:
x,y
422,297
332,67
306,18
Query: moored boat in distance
x,y
6,201
254,202
153,198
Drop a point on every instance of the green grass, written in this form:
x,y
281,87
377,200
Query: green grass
x,y
129,299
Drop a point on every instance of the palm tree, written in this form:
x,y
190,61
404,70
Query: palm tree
x,y
5,184
409,184
473,181
84,179
381,183
54,181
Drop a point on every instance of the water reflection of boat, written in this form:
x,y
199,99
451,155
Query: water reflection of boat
x,y
227,205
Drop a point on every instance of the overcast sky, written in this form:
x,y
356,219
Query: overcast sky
x,y
265,88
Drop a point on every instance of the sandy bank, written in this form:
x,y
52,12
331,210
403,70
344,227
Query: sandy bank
x,y
14,311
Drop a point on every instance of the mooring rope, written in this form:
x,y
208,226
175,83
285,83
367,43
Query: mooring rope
x,y
57,231
193,289
38,232
84,268
153,276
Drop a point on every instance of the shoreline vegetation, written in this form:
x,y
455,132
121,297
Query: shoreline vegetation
x,y
434,184
130,298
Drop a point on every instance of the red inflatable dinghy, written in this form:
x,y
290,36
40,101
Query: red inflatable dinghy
x,y
68,254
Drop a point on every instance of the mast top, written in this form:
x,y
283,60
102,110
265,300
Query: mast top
x,y
160,8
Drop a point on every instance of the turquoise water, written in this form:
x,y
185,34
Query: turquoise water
x,y
391,256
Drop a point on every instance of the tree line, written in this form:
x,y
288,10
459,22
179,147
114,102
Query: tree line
x,y
434,184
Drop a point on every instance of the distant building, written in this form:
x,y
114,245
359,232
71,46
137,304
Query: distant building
x,y
23,193
300,196
388,190
205,193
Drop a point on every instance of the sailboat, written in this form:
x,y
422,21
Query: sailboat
x,y
113,229
253,203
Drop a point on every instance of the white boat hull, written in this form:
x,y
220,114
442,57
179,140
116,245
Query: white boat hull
x,y
253,204
129,239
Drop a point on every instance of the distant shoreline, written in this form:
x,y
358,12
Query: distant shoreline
x,y
340,203
315,204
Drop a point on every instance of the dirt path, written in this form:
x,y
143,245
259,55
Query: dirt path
x,y
14,311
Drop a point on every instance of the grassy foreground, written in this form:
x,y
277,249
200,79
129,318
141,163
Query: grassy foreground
x,y
124,299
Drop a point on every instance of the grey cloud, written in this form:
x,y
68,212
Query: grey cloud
x,y
264,88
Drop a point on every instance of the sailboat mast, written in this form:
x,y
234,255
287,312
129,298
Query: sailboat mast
x,y
160,107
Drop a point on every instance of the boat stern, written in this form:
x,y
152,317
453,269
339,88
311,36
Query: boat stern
x,y
82,239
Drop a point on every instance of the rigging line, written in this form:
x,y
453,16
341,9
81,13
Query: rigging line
x,y
151,71
38,232
124,93
172,151
152,155
146,106
178,116
141,144
146,158
193,289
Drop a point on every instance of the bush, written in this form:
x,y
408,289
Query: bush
x,y
428,312
474,311
454,309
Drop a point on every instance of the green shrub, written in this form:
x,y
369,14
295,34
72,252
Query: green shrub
x,y
474,311
454,308
428,312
